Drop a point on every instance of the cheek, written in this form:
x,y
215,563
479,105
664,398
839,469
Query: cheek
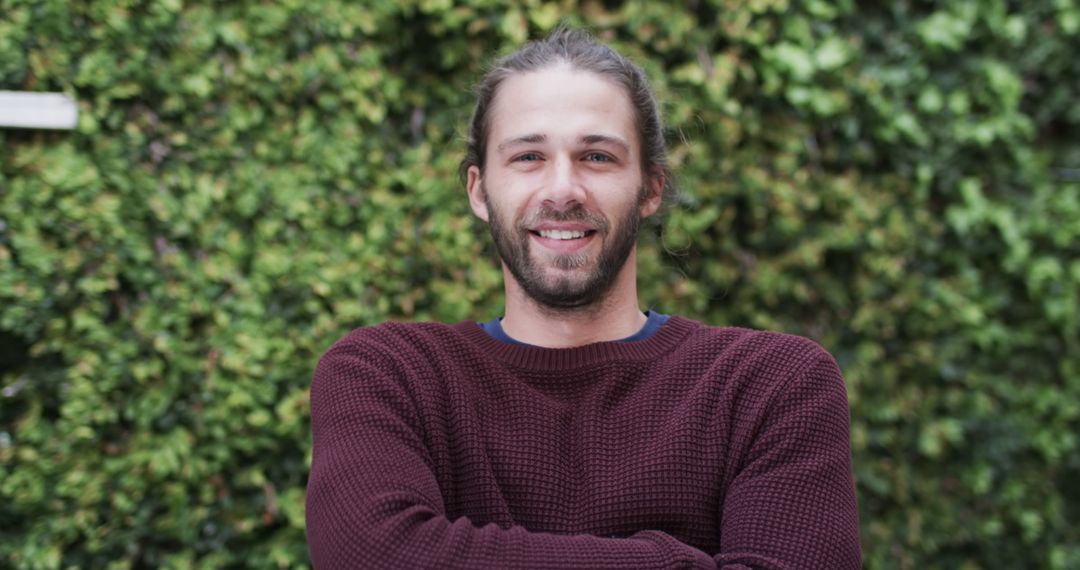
x,y
508,215
627,200
511,200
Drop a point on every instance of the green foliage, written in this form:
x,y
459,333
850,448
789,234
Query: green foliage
x,y
250,180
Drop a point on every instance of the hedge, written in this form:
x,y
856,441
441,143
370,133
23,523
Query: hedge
x,y
250,180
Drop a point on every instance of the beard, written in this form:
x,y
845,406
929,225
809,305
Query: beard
x,y
568,281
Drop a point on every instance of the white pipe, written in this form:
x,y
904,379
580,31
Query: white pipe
x,y
27,110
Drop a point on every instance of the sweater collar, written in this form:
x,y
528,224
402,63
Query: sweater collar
x,y
539,358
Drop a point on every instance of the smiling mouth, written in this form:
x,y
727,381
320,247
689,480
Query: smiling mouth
x,y
562,234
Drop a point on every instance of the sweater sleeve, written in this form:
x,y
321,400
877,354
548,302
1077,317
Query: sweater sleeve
x,y
792,504
373,500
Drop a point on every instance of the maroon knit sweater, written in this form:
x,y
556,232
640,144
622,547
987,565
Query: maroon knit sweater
x,y
437,446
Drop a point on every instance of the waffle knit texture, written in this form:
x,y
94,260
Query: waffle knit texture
x,y
437,446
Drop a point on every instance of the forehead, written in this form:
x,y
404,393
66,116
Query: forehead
x,y
561,103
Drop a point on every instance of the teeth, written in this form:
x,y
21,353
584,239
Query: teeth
x,y
561,234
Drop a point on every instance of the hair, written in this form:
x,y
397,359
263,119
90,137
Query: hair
x,y
582,52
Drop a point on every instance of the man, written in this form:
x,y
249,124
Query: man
x,y
577,431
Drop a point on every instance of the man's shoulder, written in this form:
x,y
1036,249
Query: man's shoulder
x,y
396,329
740,344
391,353
760,366
751,339
393,337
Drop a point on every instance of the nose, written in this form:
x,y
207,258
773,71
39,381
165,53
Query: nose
x,y
564,189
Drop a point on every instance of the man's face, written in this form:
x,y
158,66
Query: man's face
x,y
562,188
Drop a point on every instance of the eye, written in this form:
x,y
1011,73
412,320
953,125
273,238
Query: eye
x,y
598,157
527,157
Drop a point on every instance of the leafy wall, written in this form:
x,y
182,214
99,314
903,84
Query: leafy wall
x,y
249,180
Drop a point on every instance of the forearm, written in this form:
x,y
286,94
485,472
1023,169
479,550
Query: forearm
x,y
397,530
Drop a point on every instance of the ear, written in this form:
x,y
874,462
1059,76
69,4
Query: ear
x,y
475,187
652,201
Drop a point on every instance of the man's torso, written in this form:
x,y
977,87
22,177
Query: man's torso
x,y
604,440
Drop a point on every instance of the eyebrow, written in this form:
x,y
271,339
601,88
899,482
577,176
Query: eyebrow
x,y
605,139
537,138
534,138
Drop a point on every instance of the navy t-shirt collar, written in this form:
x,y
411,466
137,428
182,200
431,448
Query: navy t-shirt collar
x,y
653,323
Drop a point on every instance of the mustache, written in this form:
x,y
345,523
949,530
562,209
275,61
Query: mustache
x,y
576,213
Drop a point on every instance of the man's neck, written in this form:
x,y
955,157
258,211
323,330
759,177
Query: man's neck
x,y
614,317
